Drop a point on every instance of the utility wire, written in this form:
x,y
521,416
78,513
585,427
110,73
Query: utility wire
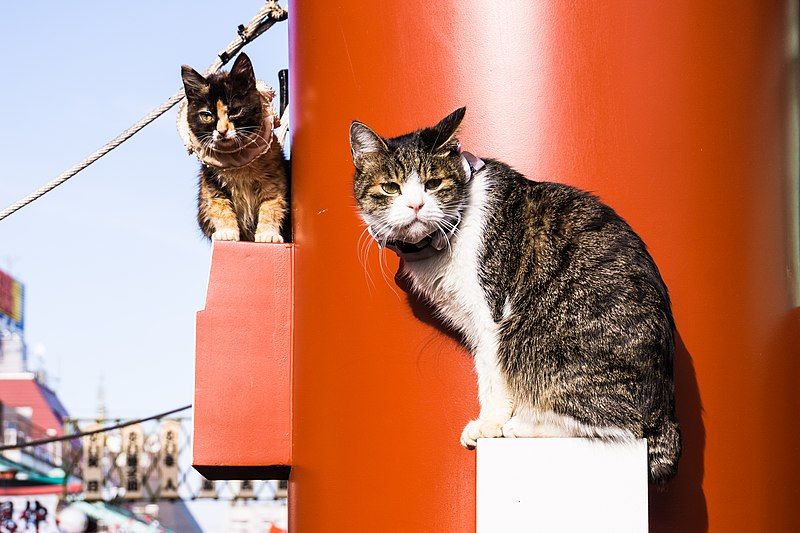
x,y
267,16
92,432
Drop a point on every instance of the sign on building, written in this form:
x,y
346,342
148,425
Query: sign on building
x,y
92,470
168,458
208,489
12,303
246,490
132,447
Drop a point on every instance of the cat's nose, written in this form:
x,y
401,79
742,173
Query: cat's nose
x,y
416,206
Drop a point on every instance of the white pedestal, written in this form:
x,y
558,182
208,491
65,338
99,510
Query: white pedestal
x,y
561,486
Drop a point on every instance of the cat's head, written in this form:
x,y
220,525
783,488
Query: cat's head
x,y
412,186
224,109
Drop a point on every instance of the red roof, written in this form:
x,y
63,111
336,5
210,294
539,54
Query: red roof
x,y
22,390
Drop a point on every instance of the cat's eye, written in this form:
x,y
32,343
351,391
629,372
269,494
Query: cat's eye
x,y
390,187
206,117
432,185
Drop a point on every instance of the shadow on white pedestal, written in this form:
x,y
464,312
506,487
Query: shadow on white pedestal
x,y
561,486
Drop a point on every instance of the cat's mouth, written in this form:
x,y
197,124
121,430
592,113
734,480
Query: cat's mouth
x,y
225,143
414,231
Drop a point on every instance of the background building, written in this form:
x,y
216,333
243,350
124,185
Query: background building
x,y
13,355
29,410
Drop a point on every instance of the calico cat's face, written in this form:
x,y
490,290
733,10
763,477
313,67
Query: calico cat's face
x,y
224,109
412,186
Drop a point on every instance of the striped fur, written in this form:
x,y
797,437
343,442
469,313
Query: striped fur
x,y
557,297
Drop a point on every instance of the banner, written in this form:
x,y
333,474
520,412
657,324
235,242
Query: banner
x,y
246,490
208,489
132,447
282,489
12,303
90,464
168,458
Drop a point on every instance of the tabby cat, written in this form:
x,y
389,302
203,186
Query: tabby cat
x,y
243,175
554,293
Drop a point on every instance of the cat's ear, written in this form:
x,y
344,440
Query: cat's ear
x,y
194,84
242,72
364,142
443,135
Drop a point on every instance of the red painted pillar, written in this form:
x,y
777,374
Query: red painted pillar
x,y
674,112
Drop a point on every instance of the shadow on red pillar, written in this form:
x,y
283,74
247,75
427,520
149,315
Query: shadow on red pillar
x,y
242,406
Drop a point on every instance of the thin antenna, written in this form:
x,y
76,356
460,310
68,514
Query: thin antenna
x,y
101,398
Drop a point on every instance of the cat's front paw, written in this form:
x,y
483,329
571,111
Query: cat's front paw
x,y
517,427
480,429
226,234
268,236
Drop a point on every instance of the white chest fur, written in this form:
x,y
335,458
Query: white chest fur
x,y
450,279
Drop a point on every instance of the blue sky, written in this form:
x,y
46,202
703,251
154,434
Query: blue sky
x,y
113,263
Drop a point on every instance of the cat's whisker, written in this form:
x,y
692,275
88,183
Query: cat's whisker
x,y
439,227
254,136
238,148
452,227
381,262
382,232
447,240
363,246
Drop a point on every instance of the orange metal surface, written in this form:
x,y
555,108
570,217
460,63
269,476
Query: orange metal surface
x,y
242,404
674,112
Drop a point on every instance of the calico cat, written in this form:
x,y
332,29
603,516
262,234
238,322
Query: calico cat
x,y
243,175
556,296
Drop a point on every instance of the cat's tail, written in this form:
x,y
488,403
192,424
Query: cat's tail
x,y
663,451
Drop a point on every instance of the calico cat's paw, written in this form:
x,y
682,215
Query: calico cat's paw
x,y
480,429
226,234
268,236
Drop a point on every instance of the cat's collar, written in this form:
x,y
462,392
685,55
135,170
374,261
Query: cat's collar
x,y
472,165
437,241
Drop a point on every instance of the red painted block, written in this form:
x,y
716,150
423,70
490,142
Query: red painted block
x,y
242,405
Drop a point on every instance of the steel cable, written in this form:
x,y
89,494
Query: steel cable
x,y
267,16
